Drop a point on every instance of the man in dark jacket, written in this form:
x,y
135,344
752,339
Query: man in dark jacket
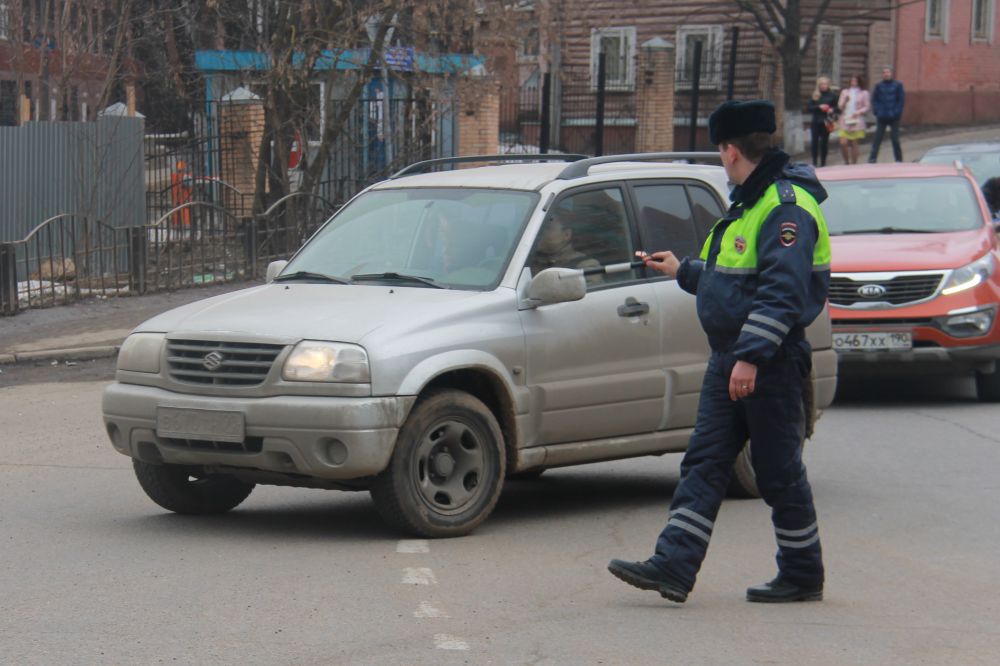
x,y
887,104
761,279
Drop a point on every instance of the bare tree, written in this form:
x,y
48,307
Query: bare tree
x,y
783,25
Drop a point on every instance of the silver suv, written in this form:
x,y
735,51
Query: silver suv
x,y
442,332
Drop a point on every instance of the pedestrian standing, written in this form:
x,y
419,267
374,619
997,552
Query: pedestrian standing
x,y
887,103
823,107
854,103
761,279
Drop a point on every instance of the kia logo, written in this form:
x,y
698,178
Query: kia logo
x,y
871,291
212,361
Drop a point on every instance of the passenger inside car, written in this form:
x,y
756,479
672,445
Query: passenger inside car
x,y
555,247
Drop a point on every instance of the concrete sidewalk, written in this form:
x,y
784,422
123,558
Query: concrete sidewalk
x,y
96,328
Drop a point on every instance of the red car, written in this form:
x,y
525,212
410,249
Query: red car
x,y
914,283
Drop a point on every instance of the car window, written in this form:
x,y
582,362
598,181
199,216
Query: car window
x,y
885,205
458,237
666,220
707,211
585,230
983,165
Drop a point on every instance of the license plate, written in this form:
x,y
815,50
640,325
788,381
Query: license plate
x,y
207,424
873,340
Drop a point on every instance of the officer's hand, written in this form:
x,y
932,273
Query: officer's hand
x,y
664,262
742,381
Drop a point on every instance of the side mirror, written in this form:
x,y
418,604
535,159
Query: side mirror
x,y
274,268
557,285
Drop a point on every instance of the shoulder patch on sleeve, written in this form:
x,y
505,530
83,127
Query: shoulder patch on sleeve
x,y
788,232
785,192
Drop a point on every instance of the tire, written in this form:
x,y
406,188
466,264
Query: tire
x,y
988,386
184,489
447,470
744,482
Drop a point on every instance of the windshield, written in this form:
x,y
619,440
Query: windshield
x,y
984,165
449,237
887,205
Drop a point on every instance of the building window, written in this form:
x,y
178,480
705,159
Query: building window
x,y
710,38
982,20
937,20
618,46
828,44
528,46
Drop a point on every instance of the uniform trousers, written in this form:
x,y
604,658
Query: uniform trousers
x,y
773,418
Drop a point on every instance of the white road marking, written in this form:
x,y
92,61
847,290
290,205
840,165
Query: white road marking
x,y
418,576
413,546
427,609
448,642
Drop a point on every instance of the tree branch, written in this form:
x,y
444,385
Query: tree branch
x,y
811,32
759,18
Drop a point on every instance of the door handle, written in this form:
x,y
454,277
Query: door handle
x,y
632,308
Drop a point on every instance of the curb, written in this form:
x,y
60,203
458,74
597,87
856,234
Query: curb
x,y
71,354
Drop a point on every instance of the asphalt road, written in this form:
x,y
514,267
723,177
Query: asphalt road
x,y
91,572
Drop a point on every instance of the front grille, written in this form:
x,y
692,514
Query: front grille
x,y
899,290
231,363
249,445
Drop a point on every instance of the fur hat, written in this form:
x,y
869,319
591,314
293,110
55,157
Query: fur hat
x,y
735,119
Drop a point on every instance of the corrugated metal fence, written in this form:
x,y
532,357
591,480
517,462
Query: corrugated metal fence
x,y
92,170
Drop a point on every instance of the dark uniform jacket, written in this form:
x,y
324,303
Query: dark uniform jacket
x,y
764,272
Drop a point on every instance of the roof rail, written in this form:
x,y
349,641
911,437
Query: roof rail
x,y
421,167
581,168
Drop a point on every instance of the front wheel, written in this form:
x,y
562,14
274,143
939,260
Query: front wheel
x,y
447,471
188,490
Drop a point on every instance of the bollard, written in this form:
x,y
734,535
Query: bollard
x,y
8,279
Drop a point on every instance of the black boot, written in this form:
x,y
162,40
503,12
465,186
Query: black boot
x,y
648,576
780,590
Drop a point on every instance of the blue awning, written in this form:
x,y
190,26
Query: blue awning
x,y
401,59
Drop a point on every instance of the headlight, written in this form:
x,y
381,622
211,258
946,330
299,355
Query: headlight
x,y
141,352
969,276
313,361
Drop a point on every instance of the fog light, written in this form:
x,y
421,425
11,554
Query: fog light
x,y
969,325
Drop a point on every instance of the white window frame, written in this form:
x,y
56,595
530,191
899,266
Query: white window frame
x,y
838,43
711,64
944,7
627,37
5,20
990,18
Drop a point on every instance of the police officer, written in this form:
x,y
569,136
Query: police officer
x,y
761,279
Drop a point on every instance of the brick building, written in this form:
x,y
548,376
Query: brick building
x,y
568,35
946,55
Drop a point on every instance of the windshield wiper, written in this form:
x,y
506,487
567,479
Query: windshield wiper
x,y
309,275
884,230
396,277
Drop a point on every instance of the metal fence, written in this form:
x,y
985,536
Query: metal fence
x,y
585,114
203,221
92,169
69,257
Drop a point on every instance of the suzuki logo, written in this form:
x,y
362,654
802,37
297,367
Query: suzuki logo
x,y
212,361
871,291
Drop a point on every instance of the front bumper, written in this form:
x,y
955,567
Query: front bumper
x,y
333,438
925,359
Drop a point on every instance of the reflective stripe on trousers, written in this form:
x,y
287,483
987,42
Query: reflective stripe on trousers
x,y
772,417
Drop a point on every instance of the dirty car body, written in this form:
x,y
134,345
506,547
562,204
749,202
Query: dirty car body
x,y
435,337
